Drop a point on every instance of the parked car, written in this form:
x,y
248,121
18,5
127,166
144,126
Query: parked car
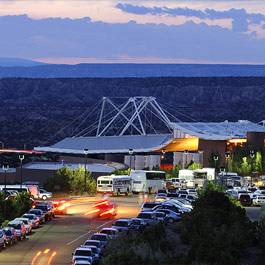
x,y
160,198
148,217
245,199
162,191
81,261
11,235
82,252
171,207
47,210
27,224
20,229
122,225
172,195
2,239
170,215
259,200
44,195
103,238
96,243
160,216
138,224
95,252
35,220
149,206
39,213
111,232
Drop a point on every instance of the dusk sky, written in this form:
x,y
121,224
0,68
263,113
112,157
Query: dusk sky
x,y
74,31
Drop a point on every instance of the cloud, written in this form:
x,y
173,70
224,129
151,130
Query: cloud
x,y
24,37
240,18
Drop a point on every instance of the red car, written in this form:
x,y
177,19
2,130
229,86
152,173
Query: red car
x,y
60,207
103,209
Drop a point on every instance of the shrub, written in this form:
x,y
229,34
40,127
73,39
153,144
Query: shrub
x,y
14,206
155,245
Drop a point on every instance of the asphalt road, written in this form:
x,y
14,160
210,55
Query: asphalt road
x,y
54,242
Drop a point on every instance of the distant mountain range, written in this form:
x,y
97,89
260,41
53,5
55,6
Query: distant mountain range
x,y
17,62
26,68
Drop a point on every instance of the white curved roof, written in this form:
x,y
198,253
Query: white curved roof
x,y
218,130
109,144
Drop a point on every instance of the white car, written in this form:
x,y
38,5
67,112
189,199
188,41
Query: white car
x,y
111,232
259,200
149,206
44,195
27,223
82,253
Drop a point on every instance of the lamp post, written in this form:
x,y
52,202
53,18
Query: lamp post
x,y
130,153
163,153
227,157
252,156
186,158
85,153
215,158
21,158
2,145
5,168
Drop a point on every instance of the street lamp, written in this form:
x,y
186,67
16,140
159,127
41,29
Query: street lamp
x,y
252,156
215,158
186,158
21,158
86,153
163,153
227,157
5,168
130,153
2,145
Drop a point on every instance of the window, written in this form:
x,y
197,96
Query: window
x,y
155,176
105,182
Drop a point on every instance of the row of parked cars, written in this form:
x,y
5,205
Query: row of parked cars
x,y
19,228
168,210
248,196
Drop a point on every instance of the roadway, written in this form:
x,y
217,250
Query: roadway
x,y
54,242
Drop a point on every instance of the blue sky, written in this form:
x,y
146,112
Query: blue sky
x,y
74,31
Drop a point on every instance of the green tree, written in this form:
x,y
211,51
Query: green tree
x,y
245,167
217,231
60,180
68,180
194,165
258,162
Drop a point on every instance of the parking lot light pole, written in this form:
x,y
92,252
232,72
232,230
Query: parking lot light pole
x,y
215,158
227,157
86,153
186,158
5,168
21,158
252,156
130,153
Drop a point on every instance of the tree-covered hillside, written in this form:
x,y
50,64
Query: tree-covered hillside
x,y
34,110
